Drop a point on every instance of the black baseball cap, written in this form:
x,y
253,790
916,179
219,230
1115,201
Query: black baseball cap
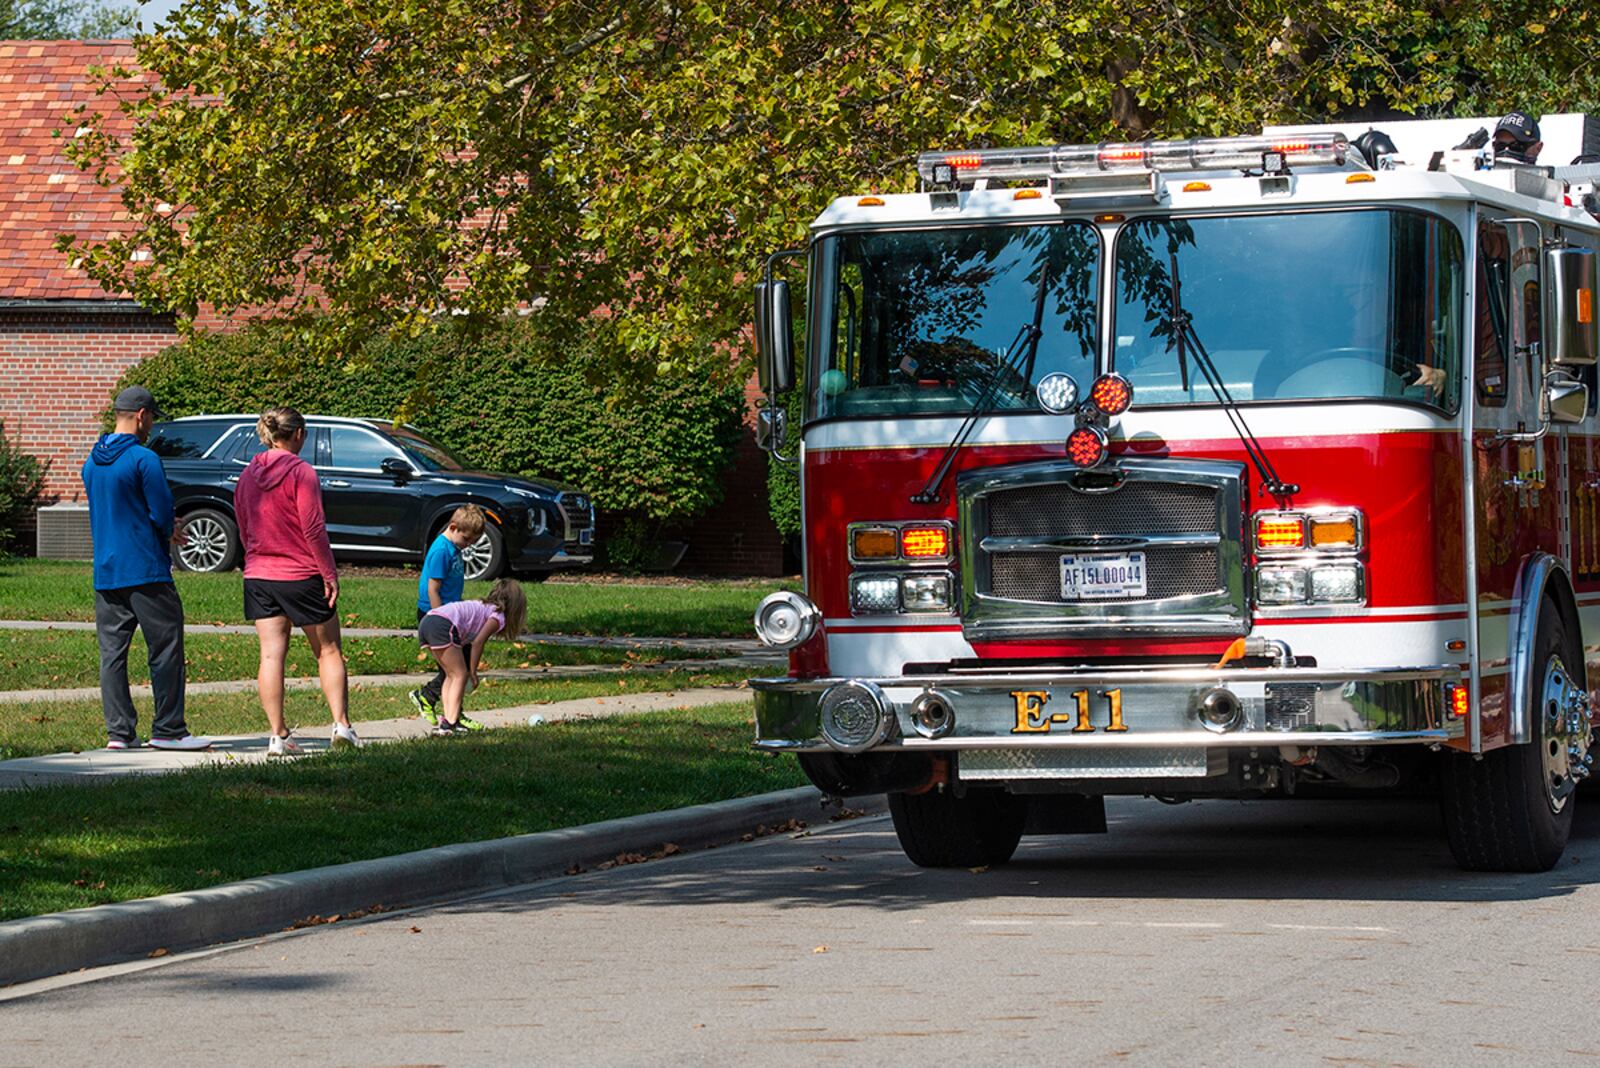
x,y
135,397
1521,126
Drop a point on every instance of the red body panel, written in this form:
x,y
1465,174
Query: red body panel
x,y
1408,484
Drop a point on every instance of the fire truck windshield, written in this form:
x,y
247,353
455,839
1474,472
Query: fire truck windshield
x,y
1342,304
922,322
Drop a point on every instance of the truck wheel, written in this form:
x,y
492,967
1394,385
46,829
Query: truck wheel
x,y
1512,810
937,829
211,542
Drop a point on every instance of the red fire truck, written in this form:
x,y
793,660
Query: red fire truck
x,y
1244,467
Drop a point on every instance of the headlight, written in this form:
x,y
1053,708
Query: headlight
x,y
1336,585
1281,585
785,620
520,492
874,594
1311,581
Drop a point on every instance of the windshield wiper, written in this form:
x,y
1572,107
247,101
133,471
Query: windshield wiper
x,y
929,494
1185,337
1029,333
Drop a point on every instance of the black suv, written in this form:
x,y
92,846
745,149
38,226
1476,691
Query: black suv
x,y
387,491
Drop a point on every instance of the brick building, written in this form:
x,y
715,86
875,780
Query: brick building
x,y
64,341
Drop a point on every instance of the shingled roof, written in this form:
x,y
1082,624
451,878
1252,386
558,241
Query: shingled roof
x,y
41,193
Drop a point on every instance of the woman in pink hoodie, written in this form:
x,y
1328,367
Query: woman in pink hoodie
x,y
289,578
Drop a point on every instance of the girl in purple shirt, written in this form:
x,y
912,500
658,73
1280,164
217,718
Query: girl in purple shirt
x,y
456,633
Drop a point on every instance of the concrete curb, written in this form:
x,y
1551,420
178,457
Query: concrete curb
x,y
42,946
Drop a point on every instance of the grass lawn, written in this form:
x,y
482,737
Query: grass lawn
x,y
41,727
55,589
71,846
56,659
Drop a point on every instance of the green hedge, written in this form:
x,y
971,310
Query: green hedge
x,y
21,485
516,401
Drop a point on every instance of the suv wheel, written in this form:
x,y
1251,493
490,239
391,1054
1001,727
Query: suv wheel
x,y
211,542
486,557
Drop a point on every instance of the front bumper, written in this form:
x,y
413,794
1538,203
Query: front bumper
x,y
1156,708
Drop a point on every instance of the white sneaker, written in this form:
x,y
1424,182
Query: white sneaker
x,y
187,743
285,746
344,736
118,743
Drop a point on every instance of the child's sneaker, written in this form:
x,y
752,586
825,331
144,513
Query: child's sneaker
x,y
285,746
118,743
425,708
467,723
445,729
344,737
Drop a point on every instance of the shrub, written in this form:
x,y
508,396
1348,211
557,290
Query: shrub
x,y
21,485
517,401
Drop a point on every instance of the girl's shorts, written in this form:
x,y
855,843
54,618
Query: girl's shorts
x,y
437,632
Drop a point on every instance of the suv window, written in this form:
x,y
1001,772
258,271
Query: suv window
x,y
355,449
185,441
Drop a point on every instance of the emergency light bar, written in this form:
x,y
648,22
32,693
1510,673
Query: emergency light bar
x,y
1195,154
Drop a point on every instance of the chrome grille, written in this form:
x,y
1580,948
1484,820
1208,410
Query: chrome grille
x,y
577,512
1136,508
1185,516
1169,573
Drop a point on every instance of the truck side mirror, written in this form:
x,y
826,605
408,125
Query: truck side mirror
x,y
774,337
1575,339
1566,398
772,426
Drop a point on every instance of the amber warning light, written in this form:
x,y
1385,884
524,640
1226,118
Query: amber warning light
x,y
1280,533
925,543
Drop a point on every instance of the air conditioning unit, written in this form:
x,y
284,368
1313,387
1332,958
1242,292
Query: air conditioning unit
x,y
63,532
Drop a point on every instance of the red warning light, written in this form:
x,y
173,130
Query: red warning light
x,y
1460,699
971,159
1111,394
1086,446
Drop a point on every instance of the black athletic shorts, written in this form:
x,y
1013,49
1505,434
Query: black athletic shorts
x,y
302,600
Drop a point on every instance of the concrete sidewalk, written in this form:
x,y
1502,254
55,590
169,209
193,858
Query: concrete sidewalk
x,y
100,764
741,646
756,664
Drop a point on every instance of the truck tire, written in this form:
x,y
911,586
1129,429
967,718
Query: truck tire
x,y
937,829
1512,810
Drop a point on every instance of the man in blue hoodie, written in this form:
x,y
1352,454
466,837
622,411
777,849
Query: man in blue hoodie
x,y
131,520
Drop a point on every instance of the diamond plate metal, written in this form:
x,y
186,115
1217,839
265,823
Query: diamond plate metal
x,y
1083,762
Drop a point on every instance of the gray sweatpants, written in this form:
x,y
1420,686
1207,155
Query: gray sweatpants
x,y
155,609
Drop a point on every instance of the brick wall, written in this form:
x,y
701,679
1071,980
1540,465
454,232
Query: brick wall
x,y
57,369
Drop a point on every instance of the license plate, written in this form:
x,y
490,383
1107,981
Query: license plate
x,y
586,536
1102,576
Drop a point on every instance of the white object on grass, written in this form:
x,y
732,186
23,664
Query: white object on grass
x,y
535,720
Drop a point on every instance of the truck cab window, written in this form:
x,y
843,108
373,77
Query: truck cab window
x,y
926,322
1491,321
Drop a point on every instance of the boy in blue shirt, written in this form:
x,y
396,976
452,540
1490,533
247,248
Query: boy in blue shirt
x,y
441,583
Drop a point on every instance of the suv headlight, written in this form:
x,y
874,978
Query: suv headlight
x,y
520,492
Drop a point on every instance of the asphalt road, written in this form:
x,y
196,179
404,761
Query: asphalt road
x,y
1211,933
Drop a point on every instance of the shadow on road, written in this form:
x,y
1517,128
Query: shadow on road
x,y
1201,852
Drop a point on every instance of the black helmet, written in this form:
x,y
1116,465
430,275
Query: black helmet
x,y
1372,144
